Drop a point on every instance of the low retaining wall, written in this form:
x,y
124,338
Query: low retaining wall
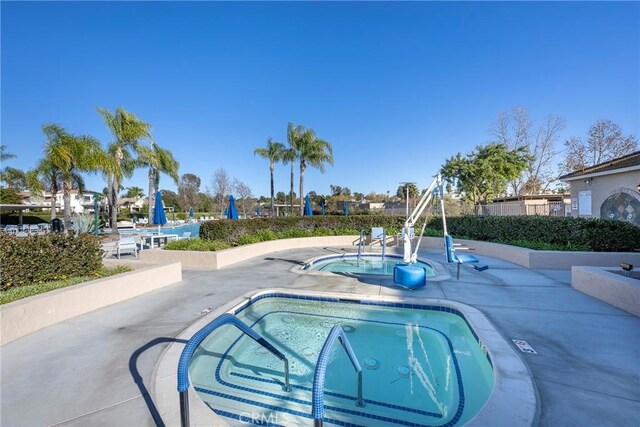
x,y
219,259
531,258
615,289
28,315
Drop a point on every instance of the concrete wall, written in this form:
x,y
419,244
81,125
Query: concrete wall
x,y
28,315
619,291
219,259
602,187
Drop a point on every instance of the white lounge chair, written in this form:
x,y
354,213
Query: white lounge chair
x,y
127,244
185,235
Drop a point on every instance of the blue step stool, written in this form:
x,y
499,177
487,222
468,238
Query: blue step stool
x,y
409,276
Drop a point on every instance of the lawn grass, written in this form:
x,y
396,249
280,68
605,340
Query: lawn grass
x,y
19,292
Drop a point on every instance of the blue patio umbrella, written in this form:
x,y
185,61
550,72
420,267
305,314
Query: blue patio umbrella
x,y
258,211
307,206
191,213
322,203
159,217
232,213
346,208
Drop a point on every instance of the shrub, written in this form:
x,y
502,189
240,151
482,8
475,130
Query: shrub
x,y
570,233
38,259
196,245
232,231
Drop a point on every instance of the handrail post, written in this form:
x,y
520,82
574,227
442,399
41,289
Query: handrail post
x,y
317,399
384,243
360,244
184,408
194,342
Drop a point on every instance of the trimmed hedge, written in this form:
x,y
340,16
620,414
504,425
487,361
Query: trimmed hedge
x,y
39,259
232,231
600,235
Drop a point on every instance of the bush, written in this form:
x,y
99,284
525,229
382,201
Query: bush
x,y
234,231
600,235
39,259
196,245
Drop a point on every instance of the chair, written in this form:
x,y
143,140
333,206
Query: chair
x,y
185,235
377,235
127,244
453,257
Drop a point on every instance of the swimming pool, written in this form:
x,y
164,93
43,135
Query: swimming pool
x,y
423,365
368,264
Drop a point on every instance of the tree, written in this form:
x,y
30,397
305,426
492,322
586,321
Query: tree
x,y
274,152
9,196
515,130
4,154
605,142
170,199
45,177
134,193
70,155
12,177
291,154
336,190
188,189
414,192
244,194
312,151
206,203
486,172
158,160
281,197
128,130
220,188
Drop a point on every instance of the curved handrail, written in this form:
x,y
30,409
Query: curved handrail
x,y
321,369
194,342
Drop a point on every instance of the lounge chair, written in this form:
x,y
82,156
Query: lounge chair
x,y
127,244
185,235
378,235
454,258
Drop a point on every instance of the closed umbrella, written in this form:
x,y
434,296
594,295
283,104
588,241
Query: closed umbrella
x,y
258,211
307,206
159,217
346,208
191,213
232,212
322,203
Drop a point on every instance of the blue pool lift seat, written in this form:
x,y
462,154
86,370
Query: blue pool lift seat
x,y
454,258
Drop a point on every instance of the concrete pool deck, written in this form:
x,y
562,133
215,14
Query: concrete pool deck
x,y
98,368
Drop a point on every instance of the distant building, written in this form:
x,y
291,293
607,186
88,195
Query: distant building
x,y
134,204
607,190
81,202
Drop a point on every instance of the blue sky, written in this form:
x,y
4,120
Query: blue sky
x,y
396,88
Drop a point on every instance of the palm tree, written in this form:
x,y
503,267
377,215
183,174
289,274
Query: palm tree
x,y
157,160
4,154
46,177
134,192
274,152
127,130
312,151
291,154
69,155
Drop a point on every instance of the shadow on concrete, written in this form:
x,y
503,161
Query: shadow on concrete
x,y
137,378
292,261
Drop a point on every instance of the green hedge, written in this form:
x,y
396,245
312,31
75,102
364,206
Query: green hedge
x,y
601,235
39,259
568,233
232,231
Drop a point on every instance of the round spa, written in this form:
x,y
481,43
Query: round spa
x,y
366,264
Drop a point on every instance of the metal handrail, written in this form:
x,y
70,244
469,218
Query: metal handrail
x,y
321,369
384,243
194,342
360,245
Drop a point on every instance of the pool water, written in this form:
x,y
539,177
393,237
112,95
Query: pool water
x,y
422,366
368,264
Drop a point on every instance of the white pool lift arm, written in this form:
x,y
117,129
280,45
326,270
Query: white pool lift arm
x,y
412,219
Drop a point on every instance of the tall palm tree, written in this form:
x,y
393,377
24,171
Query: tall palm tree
x,y
291,154
46,177
69,155
312,151
4,154
274,152
128,130
158,160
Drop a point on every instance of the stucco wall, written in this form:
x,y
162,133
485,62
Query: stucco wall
x,y
602,187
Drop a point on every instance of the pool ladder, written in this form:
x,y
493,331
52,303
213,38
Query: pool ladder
x,y
321,369
190,348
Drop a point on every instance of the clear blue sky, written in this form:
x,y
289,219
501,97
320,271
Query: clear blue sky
x,y
395,87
